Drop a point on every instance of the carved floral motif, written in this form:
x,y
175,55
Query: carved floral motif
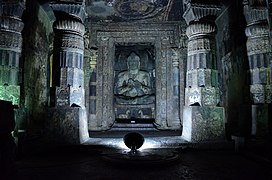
x,y
10,93
11,40
257,45
138,9
257,93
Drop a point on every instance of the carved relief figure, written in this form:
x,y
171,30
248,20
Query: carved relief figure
x,y
133,86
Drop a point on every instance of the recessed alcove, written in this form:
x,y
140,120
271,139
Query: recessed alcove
x,y
134,105
153,104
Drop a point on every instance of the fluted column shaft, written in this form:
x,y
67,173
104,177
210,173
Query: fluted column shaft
x,y
10,50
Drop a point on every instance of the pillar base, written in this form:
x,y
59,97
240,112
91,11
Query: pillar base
x,y
260,124
67,125
203,123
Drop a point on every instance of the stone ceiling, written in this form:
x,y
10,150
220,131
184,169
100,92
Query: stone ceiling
x,y
134,10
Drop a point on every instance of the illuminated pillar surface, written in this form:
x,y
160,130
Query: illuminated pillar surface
x,y
202,119
260,64
68,56
10,50
68,121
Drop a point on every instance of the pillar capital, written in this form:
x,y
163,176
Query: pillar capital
x,y
196,11
11,12
197,29
70,26
13,8
255,14
260,29
69,11
11,24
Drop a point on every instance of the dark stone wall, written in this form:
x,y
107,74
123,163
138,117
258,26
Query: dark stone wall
x,y
37,37
233,68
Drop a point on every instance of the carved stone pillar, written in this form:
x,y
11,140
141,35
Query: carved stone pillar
x,y
202,119
68,74
269,5
68,55
202,75
260,64
10,50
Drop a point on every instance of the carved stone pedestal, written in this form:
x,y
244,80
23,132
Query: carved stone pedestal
x,y
203,123
67,125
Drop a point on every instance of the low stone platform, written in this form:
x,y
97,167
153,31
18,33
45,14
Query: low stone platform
x,y
119,130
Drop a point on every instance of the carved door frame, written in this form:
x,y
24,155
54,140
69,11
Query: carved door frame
x,y
162,37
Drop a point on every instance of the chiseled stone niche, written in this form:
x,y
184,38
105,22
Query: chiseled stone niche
x,y
152,91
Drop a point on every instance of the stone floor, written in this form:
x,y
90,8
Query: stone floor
x,y
97,162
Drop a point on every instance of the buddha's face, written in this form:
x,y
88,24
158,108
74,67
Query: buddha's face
x,y
133,63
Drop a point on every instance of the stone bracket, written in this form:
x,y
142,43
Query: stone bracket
x,y
197,11
255,14
75,10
